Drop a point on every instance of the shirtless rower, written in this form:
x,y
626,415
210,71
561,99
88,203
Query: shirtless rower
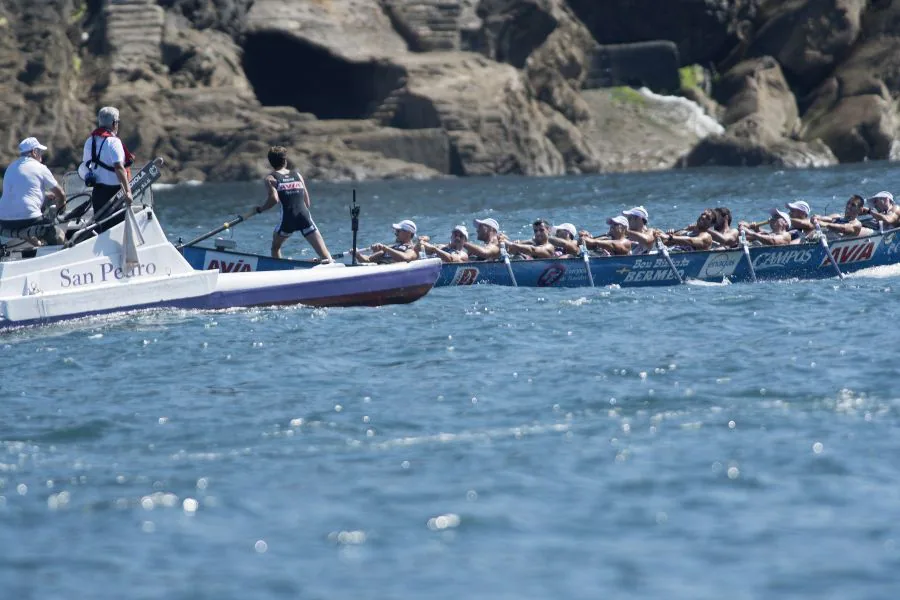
x,y
698,239
616,243
455,251
487,231
565,240
537,247
778,223
638,232
723,234
401,251
884,210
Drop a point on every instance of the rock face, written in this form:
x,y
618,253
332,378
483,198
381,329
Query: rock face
x,y
362,89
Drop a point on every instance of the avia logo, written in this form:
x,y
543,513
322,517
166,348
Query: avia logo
x,y
465,276
226,266
551,275
851,253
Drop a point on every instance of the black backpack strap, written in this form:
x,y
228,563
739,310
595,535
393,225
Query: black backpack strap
x,y
95,154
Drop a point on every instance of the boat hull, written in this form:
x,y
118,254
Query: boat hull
x,y
797,261
133,266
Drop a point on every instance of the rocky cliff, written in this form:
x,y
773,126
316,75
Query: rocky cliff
x,y
422,88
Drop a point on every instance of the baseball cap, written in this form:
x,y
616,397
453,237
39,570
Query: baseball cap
x,y
618,220
462,229
406,225
780,213
637,211
799,205
567,227
29,144
489,222
886,195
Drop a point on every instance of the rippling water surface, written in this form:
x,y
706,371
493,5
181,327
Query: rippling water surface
x,y
734,441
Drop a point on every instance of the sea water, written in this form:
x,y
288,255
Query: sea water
x,y
701,441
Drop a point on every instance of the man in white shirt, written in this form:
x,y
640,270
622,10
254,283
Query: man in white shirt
x,y
105,158
24,184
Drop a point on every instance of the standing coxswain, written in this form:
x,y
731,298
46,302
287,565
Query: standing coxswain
x,y
287,188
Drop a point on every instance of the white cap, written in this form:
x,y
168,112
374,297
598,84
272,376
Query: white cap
x,y
489,222
780,213
618,220
637,211
887,195
406,225
29,144
462,229
567,227
799,205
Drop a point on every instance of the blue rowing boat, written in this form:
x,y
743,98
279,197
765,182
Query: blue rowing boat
x,y
796,261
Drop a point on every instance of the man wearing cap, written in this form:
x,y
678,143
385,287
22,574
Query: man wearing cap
x,y
401,251
616,243
884,210
779,221
537,247
487,231
638,232
104,162
287,188
801,225
565,240
24,184
455,251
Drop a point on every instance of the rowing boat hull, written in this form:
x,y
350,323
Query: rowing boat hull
x,y
798,261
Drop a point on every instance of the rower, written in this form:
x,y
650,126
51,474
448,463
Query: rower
x,y
801,224
24,184
487,231
537,247
698,239
616,243
884,210
722,233
778,223
847,224
401,251
564,238
638,232
453,252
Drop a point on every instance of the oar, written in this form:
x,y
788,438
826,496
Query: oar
x,y
824,241
665,252
587,262
746,250
505,255
220,229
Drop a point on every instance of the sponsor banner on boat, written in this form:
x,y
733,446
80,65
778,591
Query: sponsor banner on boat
x,y
852,251
655,269
563,275
465,276
229,263
783,259
720,265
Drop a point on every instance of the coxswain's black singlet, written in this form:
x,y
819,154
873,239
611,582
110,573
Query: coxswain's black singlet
x,y
294,214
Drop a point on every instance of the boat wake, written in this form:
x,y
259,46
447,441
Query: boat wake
x,y
881,272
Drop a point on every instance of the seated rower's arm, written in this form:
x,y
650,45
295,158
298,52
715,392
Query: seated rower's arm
x,y
405,255
851,229
616,247
728,239
571,246
701,241
543,251
487,252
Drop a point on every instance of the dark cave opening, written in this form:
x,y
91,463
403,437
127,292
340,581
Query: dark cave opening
x,y
285,71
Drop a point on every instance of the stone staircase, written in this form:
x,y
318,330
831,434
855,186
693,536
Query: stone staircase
x,y
427,25
134,32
